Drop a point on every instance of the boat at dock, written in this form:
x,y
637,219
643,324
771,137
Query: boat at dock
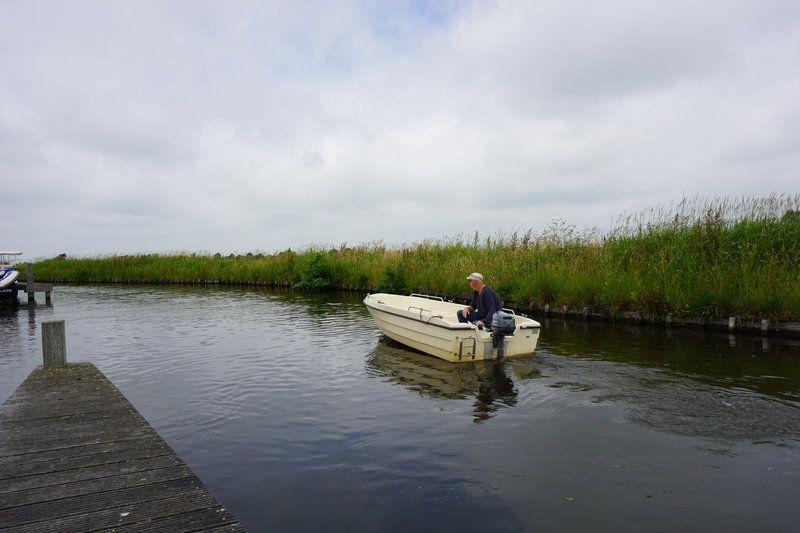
x,y
429,324
8,276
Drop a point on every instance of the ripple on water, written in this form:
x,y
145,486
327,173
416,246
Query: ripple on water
x,y
297,400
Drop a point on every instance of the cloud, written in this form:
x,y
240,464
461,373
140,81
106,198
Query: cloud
x,y
204,126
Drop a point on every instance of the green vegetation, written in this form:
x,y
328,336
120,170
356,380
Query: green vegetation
x,y
699,257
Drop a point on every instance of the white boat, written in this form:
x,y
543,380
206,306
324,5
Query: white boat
x,y
8,276
429,324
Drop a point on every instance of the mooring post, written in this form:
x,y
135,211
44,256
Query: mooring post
x,y
54,344
764,326
29,285
731,323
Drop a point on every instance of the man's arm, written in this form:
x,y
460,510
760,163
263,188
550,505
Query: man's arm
x,y
472,306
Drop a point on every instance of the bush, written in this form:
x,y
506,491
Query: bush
x,y
393,279
316,272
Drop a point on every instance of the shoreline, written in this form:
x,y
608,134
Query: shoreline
x,y
749,325
719,263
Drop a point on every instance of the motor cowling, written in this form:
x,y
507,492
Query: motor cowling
x,y
503,324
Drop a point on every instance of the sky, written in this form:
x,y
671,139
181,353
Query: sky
x,y
133,127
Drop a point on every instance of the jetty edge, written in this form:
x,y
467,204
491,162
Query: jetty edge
x,y
75,455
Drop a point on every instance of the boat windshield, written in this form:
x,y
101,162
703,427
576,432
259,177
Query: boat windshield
x,y
5,258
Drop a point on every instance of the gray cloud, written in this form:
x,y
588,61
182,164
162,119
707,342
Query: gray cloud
x,y
203,126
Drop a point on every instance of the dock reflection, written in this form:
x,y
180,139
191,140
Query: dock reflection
x,y
488,382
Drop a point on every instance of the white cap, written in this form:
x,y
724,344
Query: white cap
x,y
475,276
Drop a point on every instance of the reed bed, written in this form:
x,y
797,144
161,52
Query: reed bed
x,y
698,257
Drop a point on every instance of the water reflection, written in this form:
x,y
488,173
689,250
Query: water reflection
x,y
681,382
487,381
295,399
31,320
9,328
12,313
716,359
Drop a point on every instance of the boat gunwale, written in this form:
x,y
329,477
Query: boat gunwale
x,y
465,326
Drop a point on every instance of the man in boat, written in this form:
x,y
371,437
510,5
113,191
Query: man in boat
x,y
485,303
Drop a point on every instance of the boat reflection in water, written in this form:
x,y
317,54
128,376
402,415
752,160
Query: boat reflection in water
x,y
488,382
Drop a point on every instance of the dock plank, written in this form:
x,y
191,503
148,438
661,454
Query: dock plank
x,y
196,520
62,477
17,448
23,467
126,515
75,455
78,505
81,451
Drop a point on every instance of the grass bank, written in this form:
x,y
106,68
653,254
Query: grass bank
x,y
699,257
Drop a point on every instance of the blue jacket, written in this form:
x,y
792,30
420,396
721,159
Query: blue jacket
x,y
487,303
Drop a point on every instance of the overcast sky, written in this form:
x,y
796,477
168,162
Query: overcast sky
x,y
244,126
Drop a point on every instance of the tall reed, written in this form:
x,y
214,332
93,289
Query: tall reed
x,y
697,257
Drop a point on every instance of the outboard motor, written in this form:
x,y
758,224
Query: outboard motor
x,y
503,324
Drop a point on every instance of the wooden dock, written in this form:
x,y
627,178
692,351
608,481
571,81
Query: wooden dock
x,y
31,287
75,455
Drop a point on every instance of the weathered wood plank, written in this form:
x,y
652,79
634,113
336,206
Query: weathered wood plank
x,y
24,467
55,509
55,492
12,413
62,427
35,399
125,515
232,528
18,448
34,287
198,520
75,455
79,451
74,475
62,420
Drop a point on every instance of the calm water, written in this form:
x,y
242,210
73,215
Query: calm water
x,y
298,415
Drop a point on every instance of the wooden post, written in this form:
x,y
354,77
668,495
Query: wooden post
x,y
764,325
29,285
54,344
47,299
731,323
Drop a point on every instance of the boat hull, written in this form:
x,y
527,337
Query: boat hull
x,y
8,277
431,327
9,293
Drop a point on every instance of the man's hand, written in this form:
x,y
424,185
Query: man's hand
x,y
479,323
465,312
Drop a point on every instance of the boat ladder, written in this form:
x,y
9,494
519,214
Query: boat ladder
x,y
461,347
